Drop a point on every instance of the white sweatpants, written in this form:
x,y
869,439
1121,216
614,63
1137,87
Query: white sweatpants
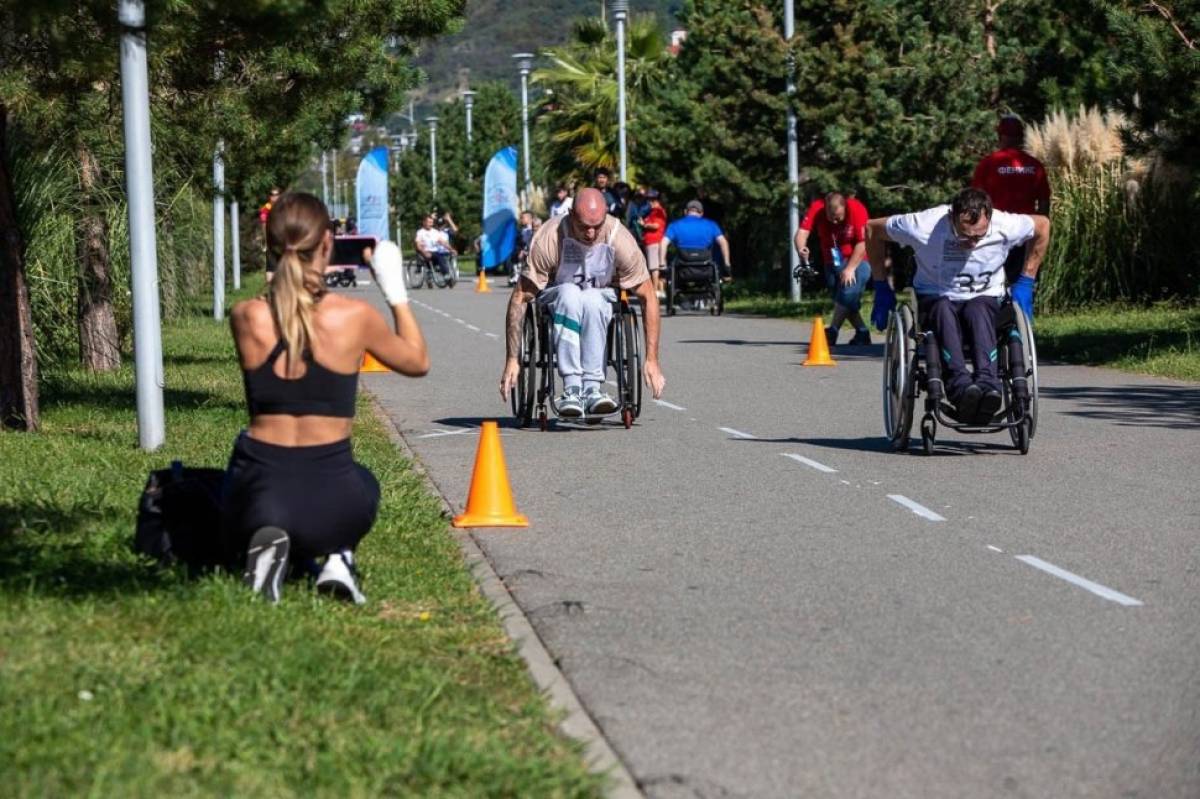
x,y
580,325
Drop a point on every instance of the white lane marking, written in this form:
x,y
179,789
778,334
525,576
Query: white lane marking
x,y
995,549
472,327
460,321
491,335
1084,583
820,467
440,433
670,405
916,508
364,282
734,433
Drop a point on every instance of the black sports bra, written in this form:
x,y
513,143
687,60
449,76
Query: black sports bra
x,y
320,392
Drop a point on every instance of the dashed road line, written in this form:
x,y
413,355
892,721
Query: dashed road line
x,y
995,549
1099,590
735,433
441,433
916,508
820,467
670,405
472,327
491,335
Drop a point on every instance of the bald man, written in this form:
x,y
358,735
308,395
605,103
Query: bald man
x,y
575,264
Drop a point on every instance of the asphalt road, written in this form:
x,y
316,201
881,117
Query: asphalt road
x,y
753,596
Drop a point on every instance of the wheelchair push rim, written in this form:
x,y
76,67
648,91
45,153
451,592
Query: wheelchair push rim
x,y
896,380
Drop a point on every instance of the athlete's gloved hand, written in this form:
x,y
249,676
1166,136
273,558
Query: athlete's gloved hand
x,y
388,266
885,301
1022,294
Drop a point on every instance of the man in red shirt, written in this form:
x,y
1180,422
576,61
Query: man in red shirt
x,y
1016,182
840,223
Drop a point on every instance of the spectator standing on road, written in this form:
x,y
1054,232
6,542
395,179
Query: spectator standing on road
x,y
841,226
693,232
1016,182
562,202
654,227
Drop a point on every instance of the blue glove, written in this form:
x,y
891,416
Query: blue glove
x,y
885,301
1022,294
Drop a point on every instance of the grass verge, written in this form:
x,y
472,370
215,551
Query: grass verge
x,y
118,679
1161,339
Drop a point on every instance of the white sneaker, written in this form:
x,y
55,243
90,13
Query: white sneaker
x,y
597,402
338,578
570,404
266,562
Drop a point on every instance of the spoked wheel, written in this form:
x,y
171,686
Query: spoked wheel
x,y
928,433
523,393
1029,345
440,278
671,293
897,382
414,274
632,346
453,278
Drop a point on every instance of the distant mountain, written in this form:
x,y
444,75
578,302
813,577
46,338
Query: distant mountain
x,y
495,29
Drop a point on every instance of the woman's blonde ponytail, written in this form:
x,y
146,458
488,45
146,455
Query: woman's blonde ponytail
x,y
295,231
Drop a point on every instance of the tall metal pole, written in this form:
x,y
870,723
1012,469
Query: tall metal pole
x,y
525,66
433,153
219,232
147,326
469,101
236,243
334,160
325,178
621,11
792,154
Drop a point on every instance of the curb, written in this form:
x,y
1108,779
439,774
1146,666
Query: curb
x,y
576,724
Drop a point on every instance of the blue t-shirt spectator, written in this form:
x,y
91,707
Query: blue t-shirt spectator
x,y
693,233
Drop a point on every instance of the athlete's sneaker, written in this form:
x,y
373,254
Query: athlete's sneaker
x,y
267,562
570,404
830,336
338,578
597,402
989,404
862,336
967,404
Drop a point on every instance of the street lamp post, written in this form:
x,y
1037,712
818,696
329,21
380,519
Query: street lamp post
x,y
621,12
525,66
469,102
334,161
236,243
147,324
219,231
325,178
792,154
433,154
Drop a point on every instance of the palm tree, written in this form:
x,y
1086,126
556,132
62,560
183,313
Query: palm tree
x,y
576,125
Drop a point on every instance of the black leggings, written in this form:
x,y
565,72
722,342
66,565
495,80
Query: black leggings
x,y
323,499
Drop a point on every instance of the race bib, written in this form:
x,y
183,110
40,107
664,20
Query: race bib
x,y
585,266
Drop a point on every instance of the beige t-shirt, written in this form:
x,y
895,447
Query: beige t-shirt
x,y
546,247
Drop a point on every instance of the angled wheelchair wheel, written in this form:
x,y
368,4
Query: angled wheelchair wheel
x,y
440,279
524,392
1029,346
632,346
414,274
671,297
928,433
898,396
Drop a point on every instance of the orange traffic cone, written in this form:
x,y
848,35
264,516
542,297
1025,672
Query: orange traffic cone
x,y
490,502
369,364
481,285
818,347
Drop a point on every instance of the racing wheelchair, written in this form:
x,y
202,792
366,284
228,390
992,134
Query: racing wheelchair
x,y
908,349
533,395
694,274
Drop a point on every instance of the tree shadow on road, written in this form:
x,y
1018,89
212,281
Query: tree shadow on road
x,y
1167,406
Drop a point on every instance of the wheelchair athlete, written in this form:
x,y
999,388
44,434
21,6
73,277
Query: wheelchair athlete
x,y
571,267
960,251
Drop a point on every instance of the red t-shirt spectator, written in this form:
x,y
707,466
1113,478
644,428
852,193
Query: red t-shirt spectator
x,y
1015,180
655,216
845,235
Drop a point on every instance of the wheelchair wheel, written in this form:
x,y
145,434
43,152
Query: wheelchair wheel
x,y
524,391
897,391
1031,365
1021,435
928,433
671,292
718,306
414,274
632,347
452,279
439,278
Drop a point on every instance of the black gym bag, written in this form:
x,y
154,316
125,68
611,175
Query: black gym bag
x,y
179,518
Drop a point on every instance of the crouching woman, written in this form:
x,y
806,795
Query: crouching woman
x,y
293,491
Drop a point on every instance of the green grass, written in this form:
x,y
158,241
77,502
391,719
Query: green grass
x,y
119,679
1161,339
